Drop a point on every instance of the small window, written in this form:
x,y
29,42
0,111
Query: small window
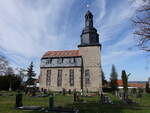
x,y
71,77
49,61
72,60
59,60
59,78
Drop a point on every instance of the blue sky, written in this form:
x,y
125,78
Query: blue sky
x,y
29,28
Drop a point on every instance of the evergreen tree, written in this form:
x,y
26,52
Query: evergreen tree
x,y
113,79
5,68
125,83
30,74
9,71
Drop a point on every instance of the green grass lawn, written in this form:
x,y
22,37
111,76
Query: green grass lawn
x,y
91,105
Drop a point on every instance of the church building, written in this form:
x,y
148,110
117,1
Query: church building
x,y
78,70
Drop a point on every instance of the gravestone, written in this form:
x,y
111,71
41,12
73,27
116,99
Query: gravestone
x,y
78,98
130,101
75,96
45,91
81,93
55,109
20,106
69,91
51,101
18,99
105,100
64,91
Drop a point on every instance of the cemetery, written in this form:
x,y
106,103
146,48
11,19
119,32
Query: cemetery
x,y
71,45
19,102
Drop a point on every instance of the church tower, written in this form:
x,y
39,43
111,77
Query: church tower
x,y
90,50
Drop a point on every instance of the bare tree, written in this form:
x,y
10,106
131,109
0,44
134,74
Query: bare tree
x,y
3,65
22,73
9,71
142,22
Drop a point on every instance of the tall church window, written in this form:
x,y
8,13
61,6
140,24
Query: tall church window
x,y
71,77
48,78
59,78
87,76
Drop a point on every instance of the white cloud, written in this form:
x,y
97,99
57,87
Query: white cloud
x,y
101,4
121,50
138,3
26,25
28,28
116,28
115,57
126,42
116,17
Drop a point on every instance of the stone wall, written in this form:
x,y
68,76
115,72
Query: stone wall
x,y
92,61
65,79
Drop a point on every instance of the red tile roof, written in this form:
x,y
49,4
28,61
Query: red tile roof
x,y
66,53
119,82
138,85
